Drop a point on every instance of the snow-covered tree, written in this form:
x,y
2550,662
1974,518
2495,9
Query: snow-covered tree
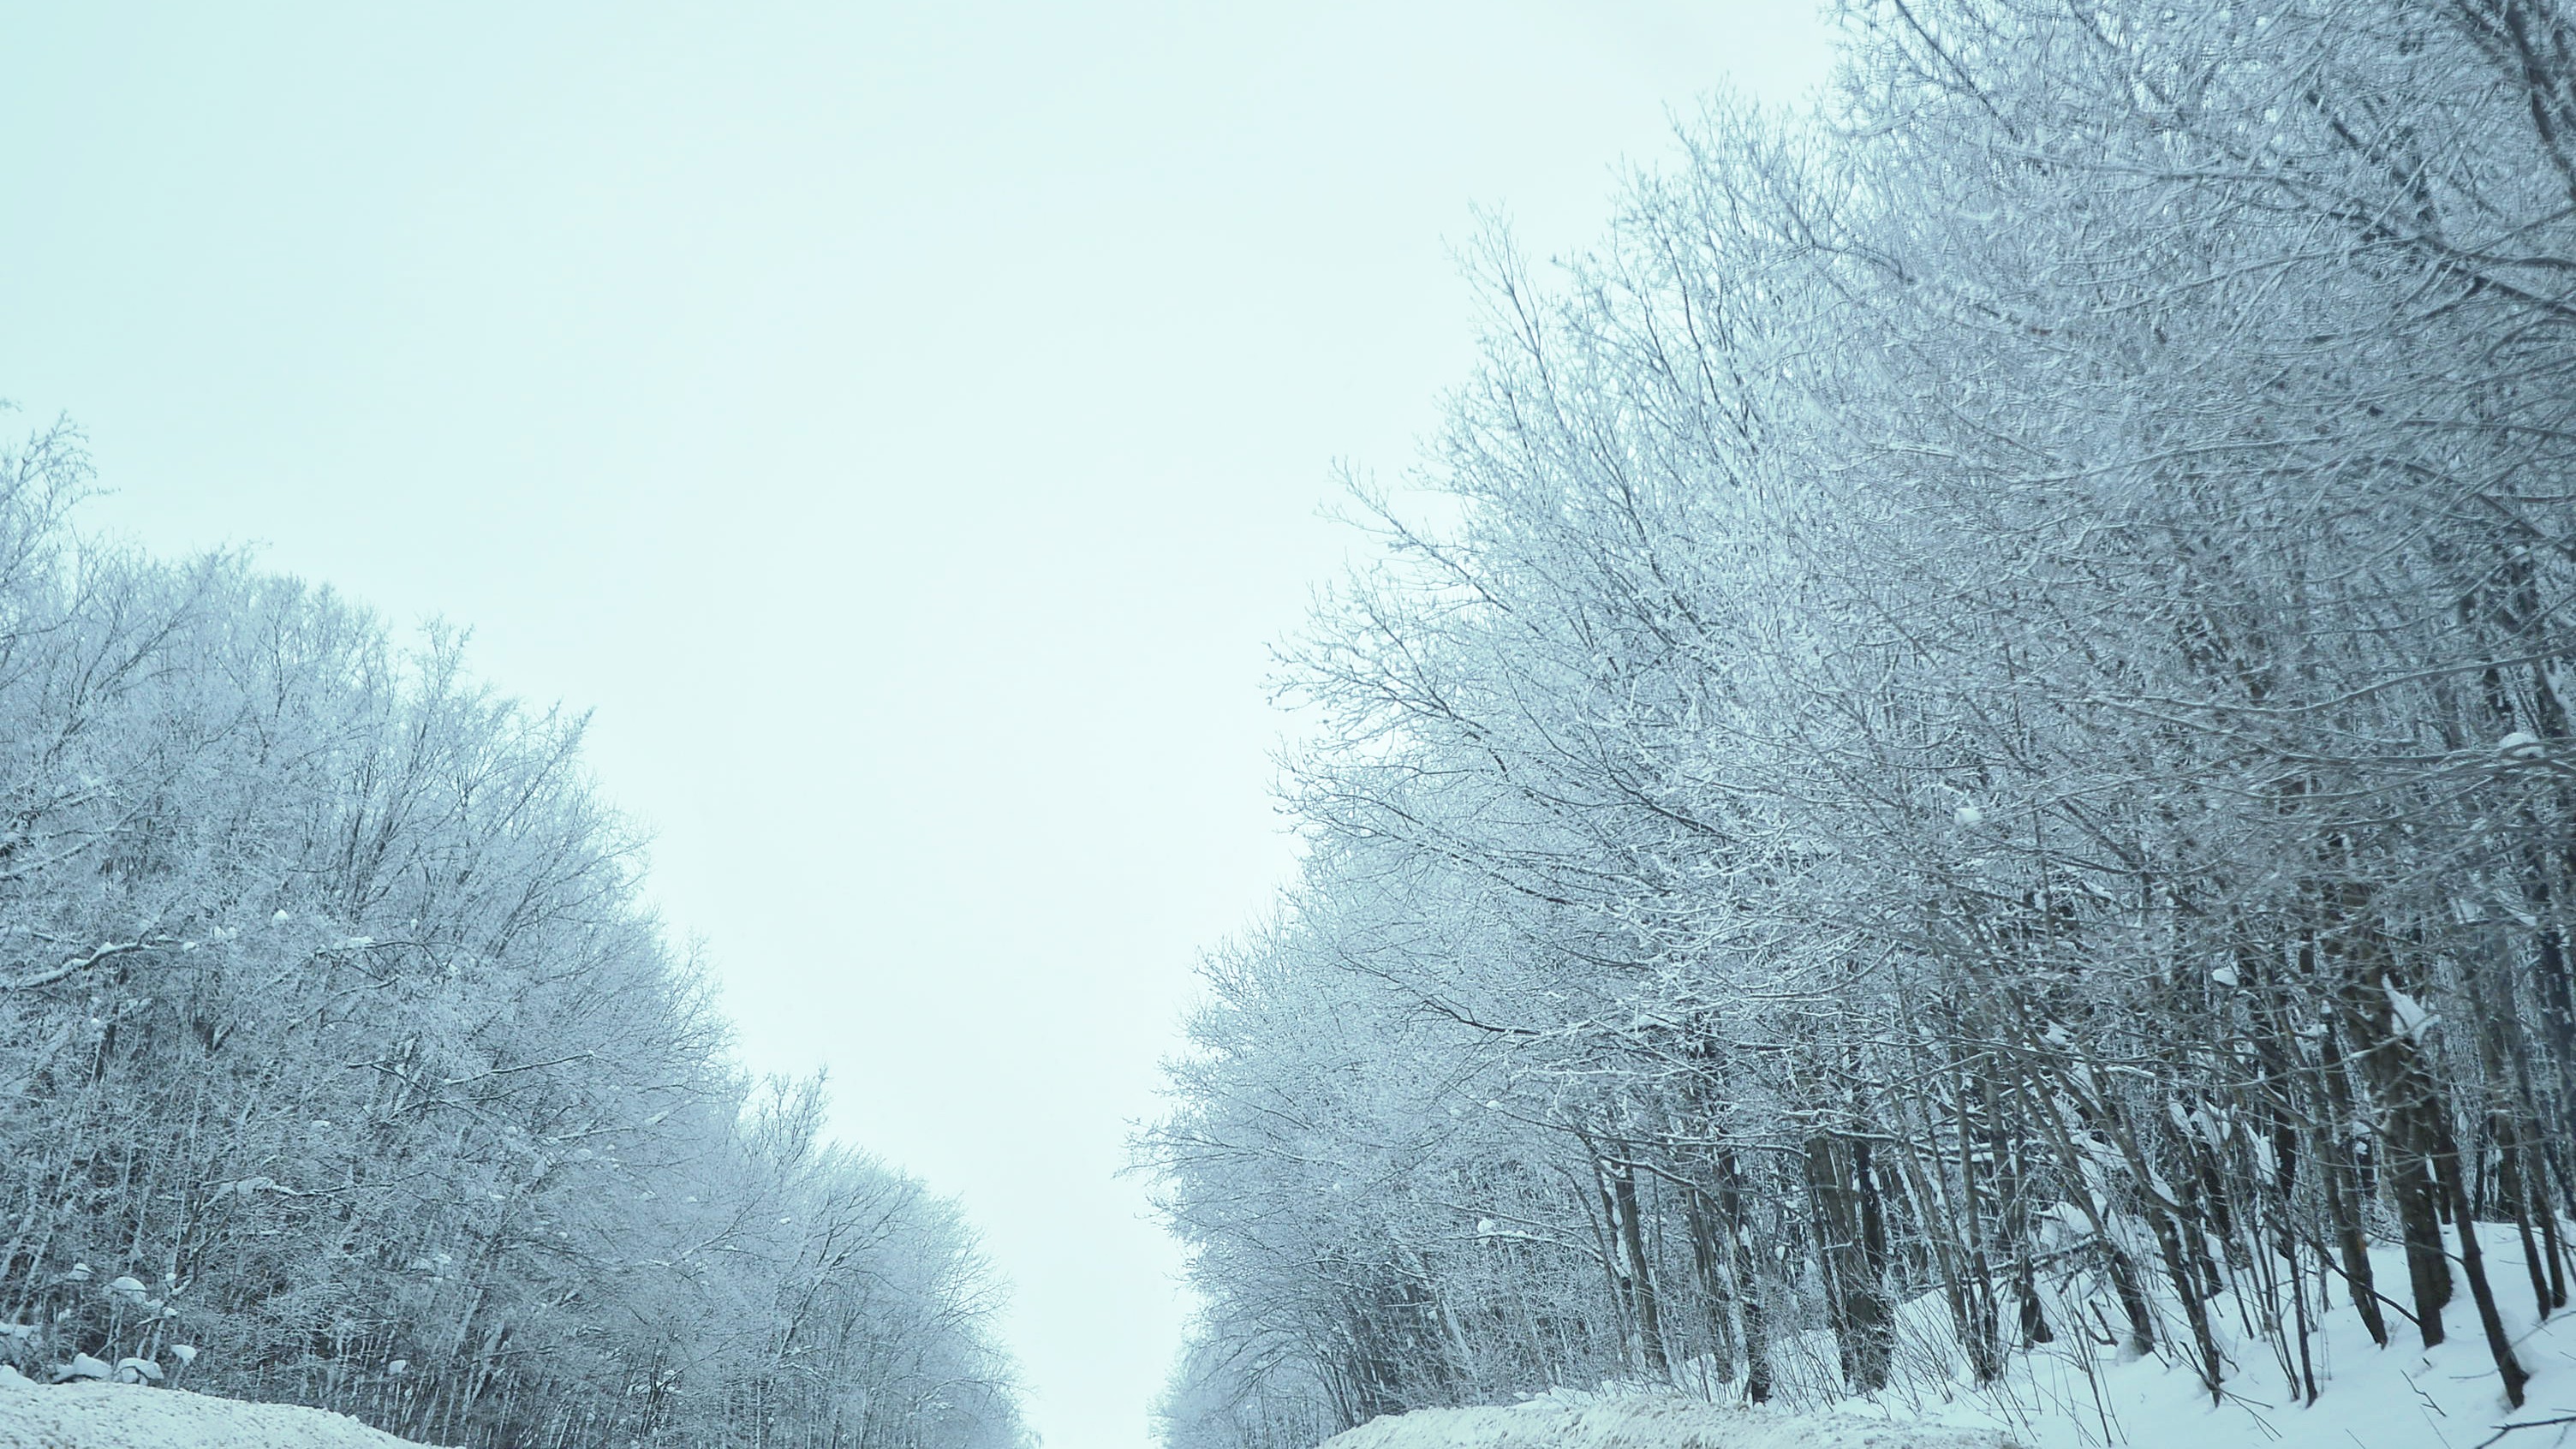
x,y
343,1062
1970,709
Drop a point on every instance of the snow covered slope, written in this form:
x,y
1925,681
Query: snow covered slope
x,y
1583,1421
2077,1394
127,1416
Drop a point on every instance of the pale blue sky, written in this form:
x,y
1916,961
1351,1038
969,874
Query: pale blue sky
x,y
904,424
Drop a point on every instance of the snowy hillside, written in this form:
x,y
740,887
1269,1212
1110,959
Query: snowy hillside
x,y
2077,1395
1575,1421
127,1416
2084,1396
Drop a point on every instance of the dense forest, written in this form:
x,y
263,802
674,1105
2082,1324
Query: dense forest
x,y
342,1062
1973,710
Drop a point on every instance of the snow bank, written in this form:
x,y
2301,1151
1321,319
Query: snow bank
x,y
1583,1421
2077,1395
128,1416
2080,1394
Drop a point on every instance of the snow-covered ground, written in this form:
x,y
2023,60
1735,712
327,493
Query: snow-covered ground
x,y
1640,1421
130,1416
2077,1395
2072,1395
2069,1395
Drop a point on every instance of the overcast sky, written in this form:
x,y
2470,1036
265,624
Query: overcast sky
x,y
904,425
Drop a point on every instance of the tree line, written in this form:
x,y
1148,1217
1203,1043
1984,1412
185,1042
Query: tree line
x,y
1970,713
343,1062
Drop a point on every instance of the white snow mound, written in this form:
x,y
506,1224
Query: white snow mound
x,y
2079,1393
1584,1421
130,1416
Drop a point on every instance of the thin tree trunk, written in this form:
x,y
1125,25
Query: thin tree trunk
x,y
2343,1196
1650,1316
1863,1320
2473,1263
1748,1280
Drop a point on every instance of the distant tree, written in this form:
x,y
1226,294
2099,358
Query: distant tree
x,y
343,1062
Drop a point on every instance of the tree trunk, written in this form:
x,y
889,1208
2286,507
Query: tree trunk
x,y
1863,1319
2343,1195
1650,1316
1708,1264
1748,1280
2473,1263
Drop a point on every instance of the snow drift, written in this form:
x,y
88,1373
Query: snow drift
x,y
2083,1393
1582,1421
130,1416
